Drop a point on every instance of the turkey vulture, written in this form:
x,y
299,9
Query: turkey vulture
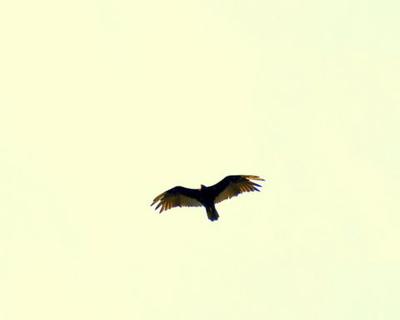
x,y
229,187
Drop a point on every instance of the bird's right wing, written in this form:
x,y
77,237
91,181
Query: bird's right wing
x,y
232,186
177,197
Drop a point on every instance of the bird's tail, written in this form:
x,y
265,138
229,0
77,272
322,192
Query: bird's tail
x,y
212,213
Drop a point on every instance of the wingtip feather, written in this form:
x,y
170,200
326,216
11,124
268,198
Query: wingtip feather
x,y
254,178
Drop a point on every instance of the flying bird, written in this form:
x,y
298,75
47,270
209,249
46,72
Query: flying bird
x,y
230,186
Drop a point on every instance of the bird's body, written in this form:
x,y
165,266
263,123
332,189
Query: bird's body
x,y
228,187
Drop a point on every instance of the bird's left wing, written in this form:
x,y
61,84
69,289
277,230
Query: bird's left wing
x,y
177,197
232,186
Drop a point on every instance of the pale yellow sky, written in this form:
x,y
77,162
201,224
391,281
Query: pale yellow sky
x,y
105,104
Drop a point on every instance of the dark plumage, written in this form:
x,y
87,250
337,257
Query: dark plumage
x,y
229,187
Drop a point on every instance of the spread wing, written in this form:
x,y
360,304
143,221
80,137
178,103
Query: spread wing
x,y
232,186
177,197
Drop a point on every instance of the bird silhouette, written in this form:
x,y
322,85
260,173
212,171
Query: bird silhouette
x,y
230,186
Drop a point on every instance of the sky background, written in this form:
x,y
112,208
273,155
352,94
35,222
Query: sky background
x,y
105,104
